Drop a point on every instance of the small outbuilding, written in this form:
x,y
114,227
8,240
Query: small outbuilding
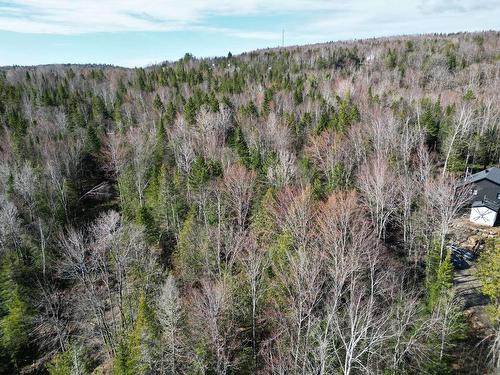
x,y
484,213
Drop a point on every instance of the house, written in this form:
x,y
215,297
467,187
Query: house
x,y
485,196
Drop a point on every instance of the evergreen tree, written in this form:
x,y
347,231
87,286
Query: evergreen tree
x,y
238,143
14,319
431,122
212,102
92,141
202,171
188,257
158,104
391,59
323,122
190,111
347,114
170,114
266,103
71,361
99,112
441,279
488,272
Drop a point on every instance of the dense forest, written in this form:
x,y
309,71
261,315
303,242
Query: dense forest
x,y
283,211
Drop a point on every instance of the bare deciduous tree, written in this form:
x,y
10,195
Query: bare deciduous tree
x,y
211,131
254,262
294,212
183,145
445,198
283,171
142,150
213,321
52,320
107,265
10,225
170,319
239,184
461,125
376,181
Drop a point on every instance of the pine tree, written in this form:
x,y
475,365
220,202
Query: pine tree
x,y
202,171
127,193
14,324
237,141
391,58
136,349
442,280
61,364
190,110
188,257
170,114
298,93
71,361
488,272
92,141
99,112
347,114
212,102
161,140
323,122
266,104
158,104
431,122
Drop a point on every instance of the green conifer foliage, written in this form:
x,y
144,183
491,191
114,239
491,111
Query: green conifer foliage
x,y
190,111
188,255
158,104
488,272
440,276
14,319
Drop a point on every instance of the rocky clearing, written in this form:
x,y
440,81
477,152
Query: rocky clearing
x,y
467,287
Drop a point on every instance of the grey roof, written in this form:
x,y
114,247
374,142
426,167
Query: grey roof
x,y
488,204
491,174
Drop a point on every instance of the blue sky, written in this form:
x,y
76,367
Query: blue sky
x,y
130,33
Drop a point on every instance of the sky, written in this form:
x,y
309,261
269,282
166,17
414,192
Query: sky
x,y
139,33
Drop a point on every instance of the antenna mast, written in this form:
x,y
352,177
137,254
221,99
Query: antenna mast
x,y
283,38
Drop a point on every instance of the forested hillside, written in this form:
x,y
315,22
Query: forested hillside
x,y
283,211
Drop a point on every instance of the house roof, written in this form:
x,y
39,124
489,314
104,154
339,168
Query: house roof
x,y
491,174
488,204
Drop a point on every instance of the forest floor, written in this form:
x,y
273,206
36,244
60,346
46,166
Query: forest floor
x,y
470,353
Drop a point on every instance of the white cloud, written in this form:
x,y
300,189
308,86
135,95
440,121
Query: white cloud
x,y
442,6
82,16
396,17
333,18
